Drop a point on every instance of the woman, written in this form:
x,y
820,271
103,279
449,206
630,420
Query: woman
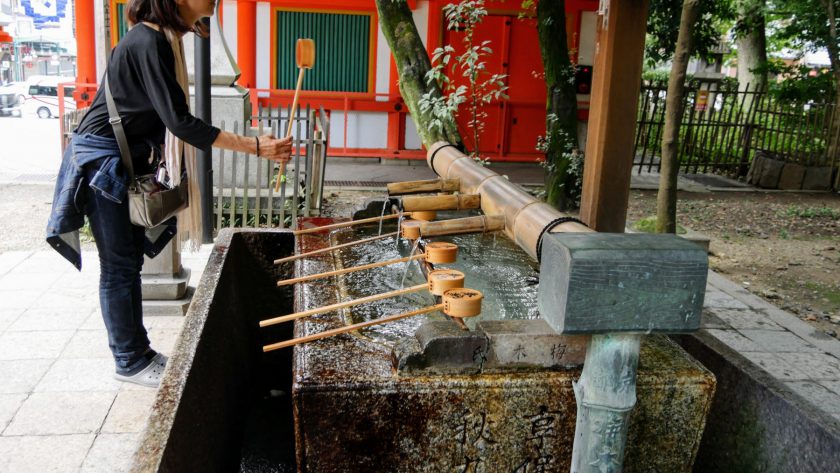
x,y
147,78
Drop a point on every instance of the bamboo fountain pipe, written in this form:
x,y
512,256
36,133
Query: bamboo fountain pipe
x,y
440,281
526,218
436,253
414,229
441,202
456,303
420,187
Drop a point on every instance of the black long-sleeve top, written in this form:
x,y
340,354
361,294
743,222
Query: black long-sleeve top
x,y
149,99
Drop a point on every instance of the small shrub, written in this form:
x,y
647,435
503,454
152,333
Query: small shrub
x,y
648,225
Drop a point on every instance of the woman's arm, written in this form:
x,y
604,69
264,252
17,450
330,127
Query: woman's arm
x,y
270,147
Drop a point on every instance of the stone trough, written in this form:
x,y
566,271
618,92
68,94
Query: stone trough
x,y
497,398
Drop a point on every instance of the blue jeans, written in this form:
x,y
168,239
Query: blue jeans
x,y
120,245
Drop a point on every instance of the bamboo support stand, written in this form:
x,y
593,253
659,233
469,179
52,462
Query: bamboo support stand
x,y
456,303
441,202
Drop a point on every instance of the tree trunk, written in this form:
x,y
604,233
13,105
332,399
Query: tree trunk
x,y
834,57
752,48
412,64
562,187
666,199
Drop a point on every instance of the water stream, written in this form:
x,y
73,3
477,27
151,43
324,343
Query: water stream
x,y
492,263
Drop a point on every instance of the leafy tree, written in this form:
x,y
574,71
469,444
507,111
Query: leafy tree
x,y
664,26
481,89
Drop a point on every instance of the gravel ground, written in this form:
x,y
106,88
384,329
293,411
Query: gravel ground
x,y
784,247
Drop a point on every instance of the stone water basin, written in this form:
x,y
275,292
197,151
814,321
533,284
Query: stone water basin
x,y
363,401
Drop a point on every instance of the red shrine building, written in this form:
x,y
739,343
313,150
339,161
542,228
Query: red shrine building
x,y
355,79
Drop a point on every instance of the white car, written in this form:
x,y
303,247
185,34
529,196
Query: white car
x,y
12,96
42,96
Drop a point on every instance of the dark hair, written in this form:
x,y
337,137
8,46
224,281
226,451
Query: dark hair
x,y
163,13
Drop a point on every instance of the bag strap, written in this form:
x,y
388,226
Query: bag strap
x,y
119,132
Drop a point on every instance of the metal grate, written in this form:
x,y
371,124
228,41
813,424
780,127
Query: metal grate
x,y
371,184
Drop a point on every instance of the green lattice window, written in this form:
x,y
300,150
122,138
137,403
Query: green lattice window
x,y
342,50
120,20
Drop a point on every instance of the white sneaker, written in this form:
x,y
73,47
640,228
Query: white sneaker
x,y
149,376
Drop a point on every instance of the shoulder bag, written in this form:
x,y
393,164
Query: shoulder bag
x,y
150,202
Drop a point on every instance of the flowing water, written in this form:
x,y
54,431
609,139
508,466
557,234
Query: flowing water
x,y
382,216
493,264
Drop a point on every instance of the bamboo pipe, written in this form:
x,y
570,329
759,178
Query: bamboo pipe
x,y
436,252
440,281
334,247
456,226
419,187
525,216
305,59
441,202
456,303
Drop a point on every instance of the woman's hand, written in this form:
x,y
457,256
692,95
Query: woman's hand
x,y
275,149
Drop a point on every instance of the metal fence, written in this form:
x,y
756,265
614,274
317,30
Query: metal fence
x,y
722,129
245,195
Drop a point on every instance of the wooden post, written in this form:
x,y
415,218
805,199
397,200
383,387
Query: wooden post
x,y
616,81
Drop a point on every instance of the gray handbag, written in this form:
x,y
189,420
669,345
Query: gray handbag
x,y
150,202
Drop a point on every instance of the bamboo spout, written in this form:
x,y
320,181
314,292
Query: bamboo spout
x,y
420,187
441,202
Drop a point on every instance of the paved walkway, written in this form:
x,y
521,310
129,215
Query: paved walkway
x,y
60,410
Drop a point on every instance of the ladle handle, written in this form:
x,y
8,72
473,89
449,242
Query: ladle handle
x,y
335,247
350,328
341,305
282,171
339,272
345,224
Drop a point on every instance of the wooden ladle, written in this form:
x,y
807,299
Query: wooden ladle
x,y
459,303
305,59
436,253
440,281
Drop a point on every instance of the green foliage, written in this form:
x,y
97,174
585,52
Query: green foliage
x,y
482,87
802,24
664,24
803,85
812,212
648,225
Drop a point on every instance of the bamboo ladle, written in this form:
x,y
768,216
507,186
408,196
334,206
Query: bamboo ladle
x,y
352,223
457,303
440,281
305,59
436,253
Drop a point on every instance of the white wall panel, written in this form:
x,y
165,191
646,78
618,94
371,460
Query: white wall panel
x,y
229,25
263,33
364,129
383,65
412,139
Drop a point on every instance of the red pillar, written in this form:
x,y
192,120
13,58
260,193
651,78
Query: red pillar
x,y
246,42
85,42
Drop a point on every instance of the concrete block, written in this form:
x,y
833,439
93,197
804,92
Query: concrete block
x,y
109,453
775,365
817,178
442,348
602,282
745,319
61,413
792,176
38,345
165,287
817,366
778,341
530,344
21,376
771,171
734,340
817,395
38,454
755,169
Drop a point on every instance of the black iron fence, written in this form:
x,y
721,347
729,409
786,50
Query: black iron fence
x,y
723,128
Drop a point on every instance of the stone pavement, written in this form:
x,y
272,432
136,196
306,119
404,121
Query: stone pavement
x,y
60,410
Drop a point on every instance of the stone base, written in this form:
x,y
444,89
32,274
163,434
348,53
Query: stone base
x,y
175,307
355,413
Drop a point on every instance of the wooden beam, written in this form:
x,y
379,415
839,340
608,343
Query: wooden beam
x,y
616,81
